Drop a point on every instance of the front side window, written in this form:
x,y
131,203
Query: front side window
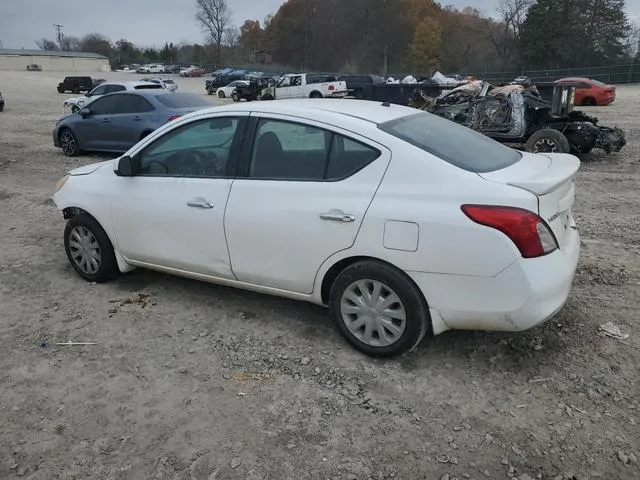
x,y
104,105
198,149
293,151
131,103
100,90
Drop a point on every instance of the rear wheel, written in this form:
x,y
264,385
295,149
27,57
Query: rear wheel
x,y
589,101
235,96
378,309
69,143
75,90
548,140
315,95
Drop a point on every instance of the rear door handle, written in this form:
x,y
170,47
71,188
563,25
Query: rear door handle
x,y
337,217
200,203
137,119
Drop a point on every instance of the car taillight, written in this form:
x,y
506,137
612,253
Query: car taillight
x,y
527,230
331,87
173,117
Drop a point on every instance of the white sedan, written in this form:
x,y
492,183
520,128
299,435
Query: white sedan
x,y
226,92
401,222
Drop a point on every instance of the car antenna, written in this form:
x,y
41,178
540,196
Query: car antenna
x,y
386,104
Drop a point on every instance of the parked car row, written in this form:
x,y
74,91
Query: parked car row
x,y
369,211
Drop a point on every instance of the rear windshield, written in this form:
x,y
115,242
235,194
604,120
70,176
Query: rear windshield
x,y
451,142
169,81
183,100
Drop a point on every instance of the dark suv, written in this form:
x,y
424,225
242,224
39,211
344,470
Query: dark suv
x,y
76,84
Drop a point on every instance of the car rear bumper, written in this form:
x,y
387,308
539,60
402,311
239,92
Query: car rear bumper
x,y
525,294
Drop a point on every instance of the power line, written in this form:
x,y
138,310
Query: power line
x,y
59,32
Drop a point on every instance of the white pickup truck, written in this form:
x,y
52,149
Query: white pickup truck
x,y
305,85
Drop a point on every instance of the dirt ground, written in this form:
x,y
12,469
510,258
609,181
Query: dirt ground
x,y
193,381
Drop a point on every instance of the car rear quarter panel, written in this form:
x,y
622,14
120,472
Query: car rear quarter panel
x,y
424,190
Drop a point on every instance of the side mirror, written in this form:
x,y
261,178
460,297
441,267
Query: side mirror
x,y
85,112
126,167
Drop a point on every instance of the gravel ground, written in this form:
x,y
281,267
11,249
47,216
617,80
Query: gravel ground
x,y
194,381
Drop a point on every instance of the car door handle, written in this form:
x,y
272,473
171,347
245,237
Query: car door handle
x,y
137,119
105,120
200,203
337,217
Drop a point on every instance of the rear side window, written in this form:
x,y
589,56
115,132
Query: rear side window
x,y
182,100
292,151
451,142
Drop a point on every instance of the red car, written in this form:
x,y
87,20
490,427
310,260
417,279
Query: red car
x,y
593,92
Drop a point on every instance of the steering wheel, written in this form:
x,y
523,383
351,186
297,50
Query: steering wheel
x,y
195,162
156,162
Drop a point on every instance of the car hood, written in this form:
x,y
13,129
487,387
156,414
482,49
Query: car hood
x,y
87,169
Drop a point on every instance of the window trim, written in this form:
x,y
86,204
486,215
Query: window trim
x,y
244,165
234,152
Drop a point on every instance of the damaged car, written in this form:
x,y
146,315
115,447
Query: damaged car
x,y
519,114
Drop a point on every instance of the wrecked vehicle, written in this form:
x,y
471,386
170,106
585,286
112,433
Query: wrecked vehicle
x,y
518,113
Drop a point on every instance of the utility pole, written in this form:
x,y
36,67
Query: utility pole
x,y
59,33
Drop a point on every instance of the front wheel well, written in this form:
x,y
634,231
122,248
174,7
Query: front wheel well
x,y
71,212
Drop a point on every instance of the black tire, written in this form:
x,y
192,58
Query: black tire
x,y
416,312
75,90
589,101
266,96
2,107
315,95
235,97
85,227
60,90
221,94
69,142
548,140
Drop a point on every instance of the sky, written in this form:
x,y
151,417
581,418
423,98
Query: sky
x,y
144,22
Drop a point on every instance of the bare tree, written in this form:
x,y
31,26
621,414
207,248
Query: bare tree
x,y
231,37
504,33
45,44
213,16
632,42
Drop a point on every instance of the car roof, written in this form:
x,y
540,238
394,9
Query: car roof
x,y
373,112
128,84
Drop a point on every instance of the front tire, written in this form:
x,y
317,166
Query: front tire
x,y
235,96
548,140
378,309
89,249
221,94
69,143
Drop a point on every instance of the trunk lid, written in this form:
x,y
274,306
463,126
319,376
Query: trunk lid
x,y
550,177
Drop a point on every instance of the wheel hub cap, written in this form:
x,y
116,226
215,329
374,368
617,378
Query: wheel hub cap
x,y
84,250
373,313
546,145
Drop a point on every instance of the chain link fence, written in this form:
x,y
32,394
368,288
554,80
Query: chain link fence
x,y
629,73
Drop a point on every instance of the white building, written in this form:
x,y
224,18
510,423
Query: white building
x,y
53,61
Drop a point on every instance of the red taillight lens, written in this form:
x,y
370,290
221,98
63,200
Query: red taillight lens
x,y
331,87
173,117
527,231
